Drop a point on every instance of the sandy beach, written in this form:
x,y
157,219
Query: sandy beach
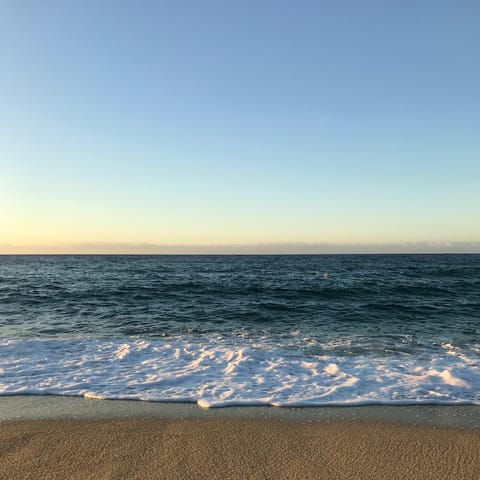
x,y
234,448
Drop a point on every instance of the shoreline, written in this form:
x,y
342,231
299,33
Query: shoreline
x,y
57,407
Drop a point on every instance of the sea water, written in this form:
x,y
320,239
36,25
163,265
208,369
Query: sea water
x,y
243,330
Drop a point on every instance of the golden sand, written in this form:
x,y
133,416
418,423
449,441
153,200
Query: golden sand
x,y
234,449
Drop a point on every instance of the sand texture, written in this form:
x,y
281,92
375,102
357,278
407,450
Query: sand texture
x,y
234,449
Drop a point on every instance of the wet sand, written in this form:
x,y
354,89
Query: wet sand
x,y
234,448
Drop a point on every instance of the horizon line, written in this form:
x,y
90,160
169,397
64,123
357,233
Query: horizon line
x,y
212,254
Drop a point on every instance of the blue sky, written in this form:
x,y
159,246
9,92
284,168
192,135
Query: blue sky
x,y
239,123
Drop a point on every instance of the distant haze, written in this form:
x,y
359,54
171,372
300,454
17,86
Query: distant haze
x,y
280,248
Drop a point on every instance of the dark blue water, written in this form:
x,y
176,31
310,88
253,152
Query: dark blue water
x,y
369,295
342,305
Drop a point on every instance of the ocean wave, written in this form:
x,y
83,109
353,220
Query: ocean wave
x,y
219,371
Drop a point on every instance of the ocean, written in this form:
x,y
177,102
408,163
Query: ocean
x,y
283,330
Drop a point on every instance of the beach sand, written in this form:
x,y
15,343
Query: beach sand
x,y
234,448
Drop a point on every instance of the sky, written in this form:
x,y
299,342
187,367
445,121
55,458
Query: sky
x,y
218,126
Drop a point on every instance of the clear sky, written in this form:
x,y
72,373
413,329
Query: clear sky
x,y
127,125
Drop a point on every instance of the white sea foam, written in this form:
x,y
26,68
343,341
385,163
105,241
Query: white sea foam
x,y
215,373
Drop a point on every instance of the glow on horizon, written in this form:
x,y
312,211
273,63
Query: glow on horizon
x,y
213,127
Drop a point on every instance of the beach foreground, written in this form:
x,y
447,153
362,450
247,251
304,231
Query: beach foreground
x,y
234,448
